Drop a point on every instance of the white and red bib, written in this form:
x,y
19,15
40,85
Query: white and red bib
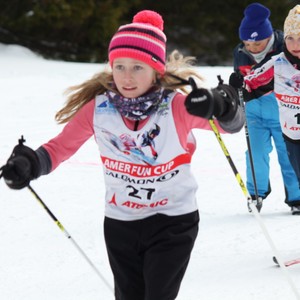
x,y
287,90
146,171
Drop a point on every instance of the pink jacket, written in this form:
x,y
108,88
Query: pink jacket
x,y
80,129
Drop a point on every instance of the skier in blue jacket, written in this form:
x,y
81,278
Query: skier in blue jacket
x,y
259,43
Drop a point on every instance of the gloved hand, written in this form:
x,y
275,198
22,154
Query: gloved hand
x,y
236,80
227,100
199,102
220,102
22,166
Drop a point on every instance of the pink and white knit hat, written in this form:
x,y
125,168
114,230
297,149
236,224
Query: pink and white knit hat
x,y
143,40
292,22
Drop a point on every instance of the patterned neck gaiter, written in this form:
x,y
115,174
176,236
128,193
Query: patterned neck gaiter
x,y
136,108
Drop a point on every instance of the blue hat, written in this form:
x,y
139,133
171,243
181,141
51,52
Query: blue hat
x,y
256,25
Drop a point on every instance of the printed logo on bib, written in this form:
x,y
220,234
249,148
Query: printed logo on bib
x,y
288,99
141,189
138,170
136,149
135,205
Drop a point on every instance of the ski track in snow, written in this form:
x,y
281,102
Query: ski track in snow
x,y
231,259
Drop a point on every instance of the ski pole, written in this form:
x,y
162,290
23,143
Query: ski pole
x,y
254,209
61,227
241,98
278,258
229,159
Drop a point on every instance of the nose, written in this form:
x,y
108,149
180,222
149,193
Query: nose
x,y
297,44
127,75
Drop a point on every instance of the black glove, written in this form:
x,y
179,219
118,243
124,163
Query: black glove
x,y
22,166
220,102
227,101
199,102
236,80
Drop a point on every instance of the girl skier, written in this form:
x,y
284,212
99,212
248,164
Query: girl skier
x,y
151,215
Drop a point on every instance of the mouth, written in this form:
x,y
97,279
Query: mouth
x,y
295,53
129,92
128,89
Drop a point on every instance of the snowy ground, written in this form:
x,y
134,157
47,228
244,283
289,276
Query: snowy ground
x,y
232,258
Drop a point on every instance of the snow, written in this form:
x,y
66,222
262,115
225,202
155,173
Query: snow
x,y
232,258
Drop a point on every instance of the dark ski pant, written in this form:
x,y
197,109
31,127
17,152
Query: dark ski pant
x,y
293,150
149,257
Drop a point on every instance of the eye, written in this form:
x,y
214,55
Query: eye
x,y
119,67
137,67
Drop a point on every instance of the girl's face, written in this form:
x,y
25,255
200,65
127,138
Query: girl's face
x,y
292,43
256,46
133,78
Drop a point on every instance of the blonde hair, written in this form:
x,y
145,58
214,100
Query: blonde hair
x,y
176,66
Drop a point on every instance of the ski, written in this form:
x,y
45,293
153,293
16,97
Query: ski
x,y
288,262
